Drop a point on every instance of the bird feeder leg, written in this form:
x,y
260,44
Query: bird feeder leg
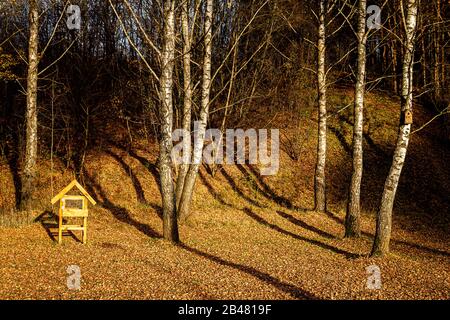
x,y
60,227
84,230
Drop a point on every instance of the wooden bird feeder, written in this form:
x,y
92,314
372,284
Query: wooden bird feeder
x,y
72,206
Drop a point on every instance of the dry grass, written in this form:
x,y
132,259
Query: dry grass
x,y
13,218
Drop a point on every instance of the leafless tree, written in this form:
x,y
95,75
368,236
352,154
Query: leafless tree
x,y
170,226
352,219
29,170
188,188
319,177
384,217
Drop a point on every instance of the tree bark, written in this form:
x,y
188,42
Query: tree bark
x,y
424,56
170,226
443,47
384,218
319,177
29,170
187,103
352,219
394,56
186,197
436,73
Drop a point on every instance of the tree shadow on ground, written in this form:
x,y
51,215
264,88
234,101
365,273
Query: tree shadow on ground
x,y
421,189
213,192
288,288
367,137
136,183
267,191
340,136
304,225
152,168
394,241
338,179
348,255
239,191
49,222
118,212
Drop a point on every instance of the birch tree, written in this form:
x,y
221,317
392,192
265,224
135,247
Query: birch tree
x,y
166,58
352,219
319,177
186,196
29,169
384,218
170,226
187,86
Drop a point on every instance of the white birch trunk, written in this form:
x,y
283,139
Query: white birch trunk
x,y
352,219
384,218
186,197
170,227
187,85
319,177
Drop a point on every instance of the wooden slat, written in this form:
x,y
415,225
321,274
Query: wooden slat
x,y
74,213
63,192
72,227
71,197
83,191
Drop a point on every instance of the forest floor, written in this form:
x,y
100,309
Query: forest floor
x,y
249,236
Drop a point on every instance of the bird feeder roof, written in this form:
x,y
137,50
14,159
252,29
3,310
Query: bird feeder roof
x,y
69,187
